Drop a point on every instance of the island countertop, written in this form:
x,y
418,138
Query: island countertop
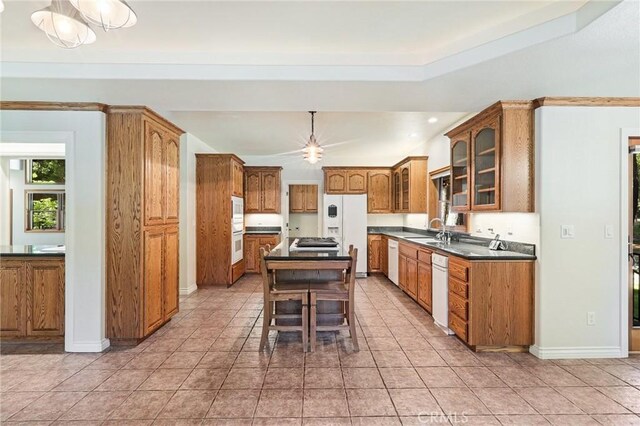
x,y
32,251
283,252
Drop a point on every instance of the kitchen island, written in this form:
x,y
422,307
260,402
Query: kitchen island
x,y
32,292
328,313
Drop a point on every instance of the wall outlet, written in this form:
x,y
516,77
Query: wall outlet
x,y
567,231
479,230
591,318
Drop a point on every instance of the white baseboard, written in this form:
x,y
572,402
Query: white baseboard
x,y
577,352
187,291
91,346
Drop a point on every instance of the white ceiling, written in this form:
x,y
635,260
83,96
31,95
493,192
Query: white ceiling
x,y
590,51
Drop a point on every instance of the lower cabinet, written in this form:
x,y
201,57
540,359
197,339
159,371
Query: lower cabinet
x,y
252,245
32,297
384,255
374,263
425,293
411,286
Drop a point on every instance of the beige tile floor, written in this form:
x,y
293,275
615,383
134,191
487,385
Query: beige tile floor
x,y
204,368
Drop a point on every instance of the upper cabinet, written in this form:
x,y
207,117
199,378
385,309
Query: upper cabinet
x,y
492,159
237,172
303,198
262,189
379,191
410,185
345,180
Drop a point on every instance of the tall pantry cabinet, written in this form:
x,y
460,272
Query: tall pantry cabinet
x,y
143,193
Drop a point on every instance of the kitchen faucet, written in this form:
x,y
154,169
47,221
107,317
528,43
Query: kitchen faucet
x,y
443,235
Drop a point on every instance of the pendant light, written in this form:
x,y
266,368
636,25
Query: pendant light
x,y
63,25
107,14
312,151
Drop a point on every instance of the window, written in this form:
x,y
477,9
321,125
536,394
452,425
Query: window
x,y
45,211
45,171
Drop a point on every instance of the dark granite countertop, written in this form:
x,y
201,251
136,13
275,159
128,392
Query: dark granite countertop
x,y
470,248
283,251
269,230
32,250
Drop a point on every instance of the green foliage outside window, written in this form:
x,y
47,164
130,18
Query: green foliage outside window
x,y
45,213
47,171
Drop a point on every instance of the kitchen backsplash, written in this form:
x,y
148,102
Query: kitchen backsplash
x,y
521,227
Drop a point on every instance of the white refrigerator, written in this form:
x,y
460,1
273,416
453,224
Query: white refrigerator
x,y
345,219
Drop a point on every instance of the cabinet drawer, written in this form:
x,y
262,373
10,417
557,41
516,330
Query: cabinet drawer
x,y
458,325
237,270
458,271
458,305
409,251
458,287
424,256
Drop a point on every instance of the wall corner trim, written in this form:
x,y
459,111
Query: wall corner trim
x,y
187,291
88,346
577,352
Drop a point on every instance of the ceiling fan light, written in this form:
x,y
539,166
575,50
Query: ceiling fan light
x,y
107,14
63,25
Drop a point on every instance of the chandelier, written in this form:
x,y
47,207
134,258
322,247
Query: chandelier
x,y
66,22
312,151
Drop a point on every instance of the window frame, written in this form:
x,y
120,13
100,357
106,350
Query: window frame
x,y
28,175
60,212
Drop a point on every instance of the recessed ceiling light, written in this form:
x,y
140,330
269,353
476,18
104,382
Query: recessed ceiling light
x,y
433,120
413,135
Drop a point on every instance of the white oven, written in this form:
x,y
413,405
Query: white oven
x,y
236,247
237,228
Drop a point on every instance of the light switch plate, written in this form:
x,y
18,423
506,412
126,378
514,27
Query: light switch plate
x,y
608,231
567,231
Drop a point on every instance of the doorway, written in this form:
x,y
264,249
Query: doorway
x,y
634,244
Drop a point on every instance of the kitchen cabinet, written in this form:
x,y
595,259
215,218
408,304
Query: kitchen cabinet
x,y
338,180
143,193
32,298
375,251
424,277
493,160
410,185
411,283
262,189
252,245
237,186
379,191
214,189
491,302
384,255
303,198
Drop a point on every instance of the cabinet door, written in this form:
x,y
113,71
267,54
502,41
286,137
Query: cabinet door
x,y
252,197
270,192
384,256
297,198
45,298
153,283
154,175
424,286
460,161
171,272
250,254
13,292
412,278
356,181
397,192
311,199
172,179
402,272
335,182
379,191
404,182
374,253
486,166
237,179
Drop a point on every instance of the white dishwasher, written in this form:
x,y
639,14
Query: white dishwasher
x,y
392,251
440,295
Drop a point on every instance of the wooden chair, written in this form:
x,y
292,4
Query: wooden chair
x,y
281,291
341,291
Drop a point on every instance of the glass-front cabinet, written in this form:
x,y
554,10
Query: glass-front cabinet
x,y
460,173
486,166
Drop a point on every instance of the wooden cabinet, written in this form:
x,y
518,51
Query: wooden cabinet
x,y
214,188
143,193
384,255
262,189
491,302
410,185
414,273
345,180
252,245
425,292
402,272
379,191
498,147
374,249
237,186
32,297
411,284
303,198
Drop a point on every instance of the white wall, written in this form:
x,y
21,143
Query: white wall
x,y
578,182
85,236
20,236
5,206
189,146
521,227
303,225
